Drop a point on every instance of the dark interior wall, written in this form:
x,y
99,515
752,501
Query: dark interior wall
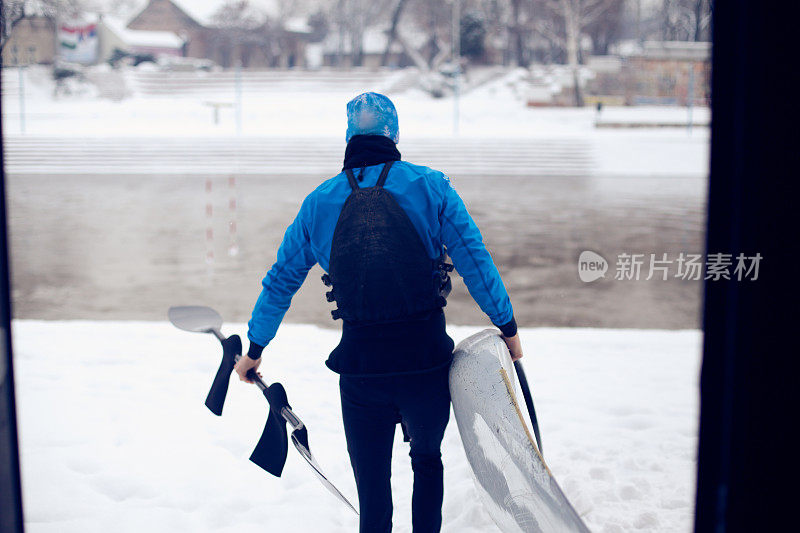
x,y
749,376
10,493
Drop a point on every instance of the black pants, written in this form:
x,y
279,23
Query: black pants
x,y
371,408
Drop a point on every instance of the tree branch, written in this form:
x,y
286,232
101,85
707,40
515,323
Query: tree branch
x,y
390,38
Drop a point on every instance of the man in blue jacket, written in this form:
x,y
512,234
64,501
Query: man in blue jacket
x,y
380,230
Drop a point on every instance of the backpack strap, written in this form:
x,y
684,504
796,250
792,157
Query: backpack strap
x,y
384,173
351,179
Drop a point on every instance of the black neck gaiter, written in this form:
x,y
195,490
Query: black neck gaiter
x,y
367,150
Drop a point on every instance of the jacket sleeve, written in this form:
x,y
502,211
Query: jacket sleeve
x,y
295,259
462,238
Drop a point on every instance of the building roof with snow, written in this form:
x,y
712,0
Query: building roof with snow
x,y
143,38
202,13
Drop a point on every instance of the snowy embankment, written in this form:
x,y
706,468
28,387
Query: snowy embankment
x,y
311,106
115,437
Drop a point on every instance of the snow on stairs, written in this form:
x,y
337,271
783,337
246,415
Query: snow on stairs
x,y
109,83
287,156
9,84
154,84
402,80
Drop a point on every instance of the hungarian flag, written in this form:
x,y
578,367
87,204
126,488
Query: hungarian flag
x,y
78,43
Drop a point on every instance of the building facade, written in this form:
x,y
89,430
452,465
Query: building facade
x,y
658,73
32,40
267,46
164,15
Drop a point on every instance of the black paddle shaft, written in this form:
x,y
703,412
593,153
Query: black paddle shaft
x,y
270,452
526,393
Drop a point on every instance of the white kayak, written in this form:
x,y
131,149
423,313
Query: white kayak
x,y
515,485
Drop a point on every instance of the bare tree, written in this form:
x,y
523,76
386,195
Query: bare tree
x,y
122,8
12,14
238,16
351,19
574,16
685,20
237,25
676,20
517,30
434,17
607,29
702,18
392,33
499,22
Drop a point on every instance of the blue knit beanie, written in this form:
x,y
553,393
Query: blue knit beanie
x,y
372,114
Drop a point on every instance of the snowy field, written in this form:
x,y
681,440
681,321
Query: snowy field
x,y
115,437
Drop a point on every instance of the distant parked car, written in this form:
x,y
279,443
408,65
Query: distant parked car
x,y
185,64
122,57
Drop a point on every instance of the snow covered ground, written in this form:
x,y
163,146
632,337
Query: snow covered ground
x,y
115,437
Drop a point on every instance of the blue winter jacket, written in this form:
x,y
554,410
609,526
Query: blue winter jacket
x,y
435,209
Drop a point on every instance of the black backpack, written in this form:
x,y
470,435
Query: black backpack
x,y
379,269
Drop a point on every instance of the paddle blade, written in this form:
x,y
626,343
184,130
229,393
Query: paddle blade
x,y
297,437
195,318
231,347
272,448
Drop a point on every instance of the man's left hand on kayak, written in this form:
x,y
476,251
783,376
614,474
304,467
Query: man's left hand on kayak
x,y
514,346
